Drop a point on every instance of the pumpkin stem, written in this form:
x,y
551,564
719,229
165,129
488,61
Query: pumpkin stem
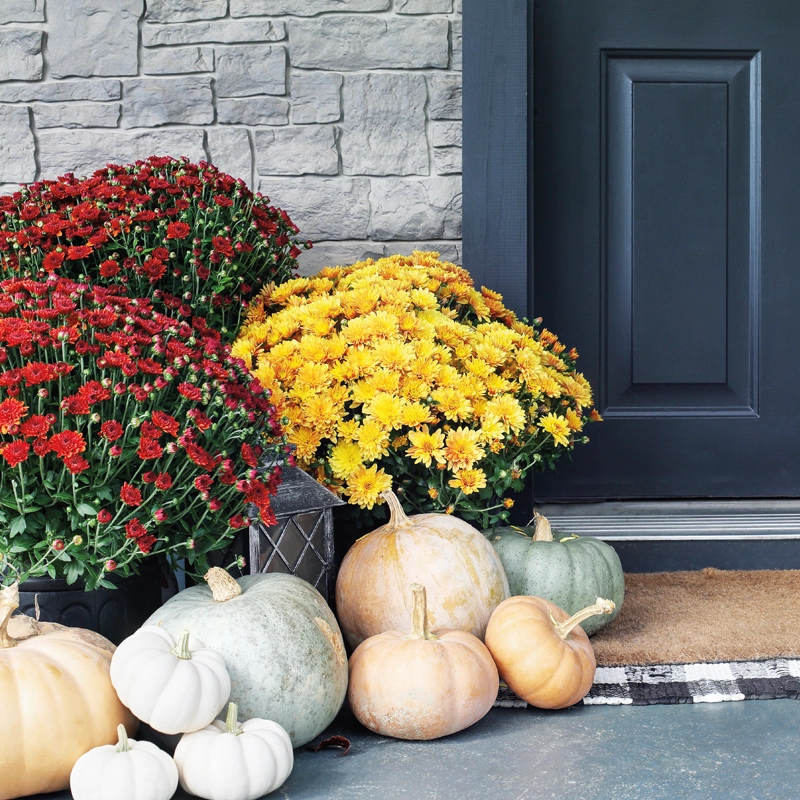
x,y
9,603
123,746
397,517
182,648
419,614
600,607
232,720
543,531
223,586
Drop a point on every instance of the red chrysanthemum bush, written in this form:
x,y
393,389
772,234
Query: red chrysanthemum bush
x,y
123,432
193,239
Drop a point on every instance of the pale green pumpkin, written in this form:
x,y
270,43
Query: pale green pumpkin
x,y
280,641
570,571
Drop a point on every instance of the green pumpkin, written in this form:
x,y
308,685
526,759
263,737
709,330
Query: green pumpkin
x,y
570,571
280,641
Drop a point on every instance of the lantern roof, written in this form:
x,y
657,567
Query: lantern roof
x,y
299,493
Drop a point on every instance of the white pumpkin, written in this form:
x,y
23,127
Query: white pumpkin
x,y
129,770
229,761
175,687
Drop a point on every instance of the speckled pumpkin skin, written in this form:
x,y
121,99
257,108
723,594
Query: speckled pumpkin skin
x,y
571,573
282,646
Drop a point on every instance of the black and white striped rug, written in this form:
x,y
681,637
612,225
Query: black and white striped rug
x,y
686,683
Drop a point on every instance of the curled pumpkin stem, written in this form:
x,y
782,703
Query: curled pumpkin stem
x,y
600,607
419,614
397,517
181,649
9,603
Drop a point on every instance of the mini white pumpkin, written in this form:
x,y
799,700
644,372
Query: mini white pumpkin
x,y
173,687
129,770
229,761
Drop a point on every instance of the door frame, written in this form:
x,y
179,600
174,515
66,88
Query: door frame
x,y
497,74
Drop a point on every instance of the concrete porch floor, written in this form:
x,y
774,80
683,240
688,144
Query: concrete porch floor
x,y
744,750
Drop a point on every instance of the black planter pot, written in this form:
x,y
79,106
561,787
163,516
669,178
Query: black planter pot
x,y
113,613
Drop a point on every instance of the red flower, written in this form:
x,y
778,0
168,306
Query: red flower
x,y
11,412
145,543
215,504
237,521
16,452
41,446
58,544
37,426
248,455
189,391
149,477
111,430
150,431
200,456
202,422
149,448
76,464
52,261
130,495
103,516
110,565
76,253
167,423
134,529
163,481
222,245
38,372
75,404
203,483
115,451
109,268
94,392
177,230
67,443
161,515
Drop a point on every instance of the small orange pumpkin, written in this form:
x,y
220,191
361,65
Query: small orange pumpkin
x,y
542,653
421,685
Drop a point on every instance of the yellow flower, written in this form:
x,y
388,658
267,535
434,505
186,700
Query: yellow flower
x,y
557,427
306,440
373,440
574,420
393,354
387,409
414,414
313,375
426,446
462,449
508,410
345,458
384,380
469,480
492,427
365,485
320,413
452,404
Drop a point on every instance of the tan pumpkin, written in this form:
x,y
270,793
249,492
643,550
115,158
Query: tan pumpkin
x,y
56,700
453,560
542,653
421,685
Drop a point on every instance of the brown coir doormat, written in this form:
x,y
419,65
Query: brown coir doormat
x,y
708,615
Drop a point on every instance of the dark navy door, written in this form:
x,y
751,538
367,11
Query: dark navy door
x,y
666,183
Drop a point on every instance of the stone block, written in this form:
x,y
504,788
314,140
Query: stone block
x,y
337,254
302,8
253,111
423,6
76,115
323,208
93,37
184,10
449,250
446,134
249,70
447,160
21,55
455,43
354,42
316,97
297,151
177,60
17,146
149,102
383,131
82,152
445,95
230,151
21,11
424,209
224,31
61,91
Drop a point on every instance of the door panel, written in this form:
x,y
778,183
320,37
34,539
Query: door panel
x,y
666,178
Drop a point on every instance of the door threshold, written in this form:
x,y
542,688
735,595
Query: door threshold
x,y
677,520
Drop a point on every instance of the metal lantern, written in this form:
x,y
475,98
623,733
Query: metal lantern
x,y
301,543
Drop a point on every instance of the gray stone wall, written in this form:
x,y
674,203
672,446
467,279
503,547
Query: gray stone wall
x,y
347,113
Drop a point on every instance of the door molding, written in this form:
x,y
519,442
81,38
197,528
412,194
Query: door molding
x,y
496,192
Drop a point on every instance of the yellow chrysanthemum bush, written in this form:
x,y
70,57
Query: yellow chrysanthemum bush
x,y
399,374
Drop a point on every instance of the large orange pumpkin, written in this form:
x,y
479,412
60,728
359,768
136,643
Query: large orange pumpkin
x,y
421,685
56,700
542,653
460,569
